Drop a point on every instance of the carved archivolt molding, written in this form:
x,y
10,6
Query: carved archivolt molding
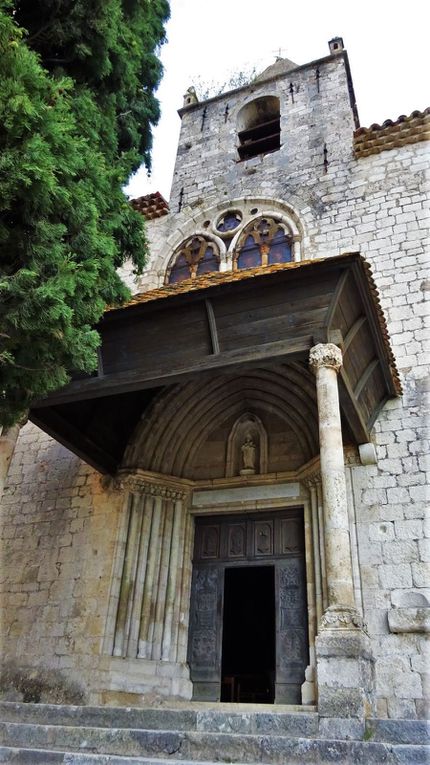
x,y
170,438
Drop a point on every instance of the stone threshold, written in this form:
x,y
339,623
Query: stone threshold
x,y
223,706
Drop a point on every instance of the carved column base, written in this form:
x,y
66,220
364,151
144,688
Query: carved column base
x,y
345,666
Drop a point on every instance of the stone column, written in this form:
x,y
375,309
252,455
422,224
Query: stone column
x,y
344,660
316,548
123,623
326,361
296,248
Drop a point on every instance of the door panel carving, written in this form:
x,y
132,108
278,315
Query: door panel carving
x,y
290,536
204,653
264,538
210,542
292,638
236,540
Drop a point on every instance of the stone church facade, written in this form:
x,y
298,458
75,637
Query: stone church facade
x,y
239,512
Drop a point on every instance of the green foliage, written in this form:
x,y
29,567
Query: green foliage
x,y
76,108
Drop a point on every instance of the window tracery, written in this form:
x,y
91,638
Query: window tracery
x,y
227,225
233,239
229,222
196,256
263,242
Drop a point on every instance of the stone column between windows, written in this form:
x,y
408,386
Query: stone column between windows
x,y
344,661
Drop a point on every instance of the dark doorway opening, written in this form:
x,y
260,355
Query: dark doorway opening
x,y
248,645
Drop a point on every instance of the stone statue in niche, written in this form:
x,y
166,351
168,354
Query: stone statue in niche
x,y
246,447
248,451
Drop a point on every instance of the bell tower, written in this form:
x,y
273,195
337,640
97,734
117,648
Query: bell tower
x,y
285,129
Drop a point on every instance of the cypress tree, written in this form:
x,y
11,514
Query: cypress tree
x,y
76,108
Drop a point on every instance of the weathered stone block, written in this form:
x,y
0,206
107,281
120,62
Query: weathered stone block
x,y
392,576
341,728
345,673
409,619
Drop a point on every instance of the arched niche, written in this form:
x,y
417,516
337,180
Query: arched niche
x,y
246,447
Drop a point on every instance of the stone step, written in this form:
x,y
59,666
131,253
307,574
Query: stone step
x,y
182,747
224,718
398,731
211,721
13,756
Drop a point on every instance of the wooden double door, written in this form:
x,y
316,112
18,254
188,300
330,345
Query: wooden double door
x,y
248,638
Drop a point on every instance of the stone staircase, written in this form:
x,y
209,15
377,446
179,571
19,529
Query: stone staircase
x,y
203,734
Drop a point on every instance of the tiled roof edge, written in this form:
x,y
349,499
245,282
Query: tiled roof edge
x,y
383,326
392,134
210,280
151,206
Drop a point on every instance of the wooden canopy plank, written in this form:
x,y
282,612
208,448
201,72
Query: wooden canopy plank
x,y
351,410
229,361
212,326
64,431
365,377
353,331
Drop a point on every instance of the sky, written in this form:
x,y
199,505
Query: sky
x,y
208,42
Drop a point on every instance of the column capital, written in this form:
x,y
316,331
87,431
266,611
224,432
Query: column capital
x,y
342,617
325,355
140,482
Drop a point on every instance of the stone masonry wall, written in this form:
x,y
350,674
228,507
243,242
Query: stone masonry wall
x,y
60,525
59,531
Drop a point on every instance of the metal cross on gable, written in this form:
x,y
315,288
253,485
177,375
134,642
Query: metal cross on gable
x,y
278,53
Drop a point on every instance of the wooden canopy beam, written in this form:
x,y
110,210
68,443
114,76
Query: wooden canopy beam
x,y
229,361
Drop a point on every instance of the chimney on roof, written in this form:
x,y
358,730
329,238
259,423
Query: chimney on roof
x,y
190,97
336,45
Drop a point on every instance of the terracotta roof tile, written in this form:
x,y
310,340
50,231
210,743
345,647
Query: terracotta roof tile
x,y
383,326
391,135
205,281
151,206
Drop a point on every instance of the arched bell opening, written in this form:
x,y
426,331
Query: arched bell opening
x,y
259,127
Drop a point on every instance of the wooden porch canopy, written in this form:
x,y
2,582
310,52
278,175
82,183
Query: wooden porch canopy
x,y
223,323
